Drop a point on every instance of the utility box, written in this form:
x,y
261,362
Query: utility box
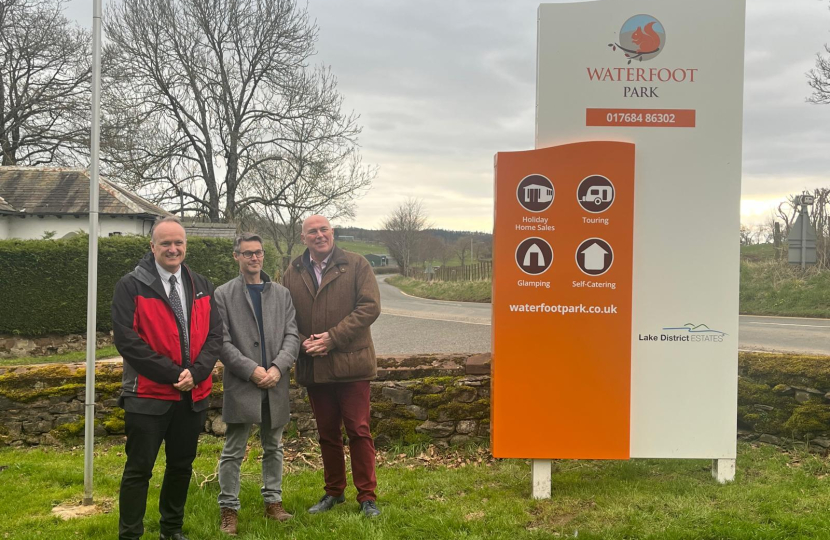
x,y
801,244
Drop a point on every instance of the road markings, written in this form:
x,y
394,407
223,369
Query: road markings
x,y
788,324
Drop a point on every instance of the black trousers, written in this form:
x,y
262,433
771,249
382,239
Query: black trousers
x,y
179,428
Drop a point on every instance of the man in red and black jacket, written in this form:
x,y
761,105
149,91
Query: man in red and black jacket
x,y
168,330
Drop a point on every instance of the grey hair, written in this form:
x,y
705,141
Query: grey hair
x,y
246,237
165,219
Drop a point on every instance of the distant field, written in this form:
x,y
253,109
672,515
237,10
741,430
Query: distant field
x,y
364,248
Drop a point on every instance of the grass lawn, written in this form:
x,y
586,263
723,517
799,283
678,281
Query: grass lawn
x,y
458,291
66,358
450,495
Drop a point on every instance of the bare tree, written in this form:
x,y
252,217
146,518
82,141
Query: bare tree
x,y
447,252
463,248
430,248
787,211
402,232
819,79
202,94
329,185
44,84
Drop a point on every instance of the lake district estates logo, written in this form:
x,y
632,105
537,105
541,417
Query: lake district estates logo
x,y
688,333
641,38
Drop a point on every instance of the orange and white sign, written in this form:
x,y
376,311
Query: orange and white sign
x,y
645,73
562,301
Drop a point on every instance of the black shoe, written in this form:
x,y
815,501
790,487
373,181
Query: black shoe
x,y
174,536
369,509
326,503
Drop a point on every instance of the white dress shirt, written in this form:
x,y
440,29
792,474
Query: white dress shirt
x,y
165,281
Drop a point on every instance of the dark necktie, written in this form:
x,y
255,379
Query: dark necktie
x,y
176,304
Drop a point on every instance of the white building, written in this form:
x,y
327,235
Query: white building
x,y
38,202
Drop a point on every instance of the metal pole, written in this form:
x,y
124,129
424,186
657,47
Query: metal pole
x,y
92,269
804,218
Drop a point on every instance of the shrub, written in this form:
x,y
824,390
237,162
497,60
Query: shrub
x,y
43,283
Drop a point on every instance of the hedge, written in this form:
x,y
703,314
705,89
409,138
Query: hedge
x,y
43,283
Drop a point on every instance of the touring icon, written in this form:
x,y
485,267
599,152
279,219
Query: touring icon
x,y
534,256
595,194
535,193
599,195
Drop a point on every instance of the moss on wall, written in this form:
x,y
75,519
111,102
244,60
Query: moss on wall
x,y
114,422
791,370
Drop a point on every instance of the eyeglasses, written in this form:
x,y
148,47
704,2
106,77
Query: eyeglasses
x,y
251,254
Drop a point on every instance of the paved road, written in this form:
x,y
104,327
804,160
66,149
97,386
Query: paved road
x,y
409,325
784,334
417,326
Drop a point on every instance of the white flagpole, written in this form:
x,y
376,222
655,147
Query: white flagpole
x,y
92,285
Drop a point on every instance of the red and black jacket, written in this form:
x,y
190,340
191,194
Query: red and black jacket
x,y
147,334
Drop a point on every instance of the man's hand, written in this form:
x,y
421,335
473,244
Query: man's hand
x,y
258,375
319,344
185,383
271,379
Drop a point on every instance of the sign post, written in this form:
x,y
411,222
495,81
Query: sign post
x,y
656,375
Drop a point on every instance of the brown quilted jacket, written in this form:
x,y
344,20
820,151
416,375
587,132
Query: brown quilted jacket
x,y
345,305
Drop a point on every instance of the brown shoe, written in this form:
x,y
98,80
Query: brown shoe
x,y
276,511
229,521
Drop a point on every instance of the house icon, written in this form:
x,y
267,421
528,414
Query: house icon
x,y
534,193
594,257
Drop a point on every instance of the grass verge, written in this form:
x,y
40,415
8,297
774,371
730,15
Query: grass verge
x,y
462,494
458,291
66,358
770,287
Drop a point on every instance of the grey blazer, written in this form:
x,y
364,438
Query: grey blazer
x,y
241,353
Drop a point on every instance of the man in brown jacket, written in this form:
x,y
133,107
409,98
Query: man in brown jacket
x,y
336,298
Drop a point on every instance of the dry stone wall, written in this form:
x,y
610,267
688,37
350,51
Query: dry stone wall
x,y
443,400
439,399
12,346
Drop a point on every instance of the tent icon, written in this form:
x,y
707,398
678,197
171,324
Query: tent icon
x,y
540,257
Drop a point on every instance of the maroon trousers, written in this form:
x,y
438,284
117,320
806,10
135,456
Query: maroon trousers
x,y
345,404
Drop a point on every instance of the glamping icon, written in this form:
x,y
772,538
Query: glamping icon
x,y
540,257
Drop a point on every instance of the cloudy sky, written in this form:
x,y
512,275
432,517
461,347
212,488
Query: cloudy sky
x,y
442,85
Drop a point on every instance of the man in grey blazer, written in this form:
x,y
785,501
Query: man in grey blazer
x,y
260,346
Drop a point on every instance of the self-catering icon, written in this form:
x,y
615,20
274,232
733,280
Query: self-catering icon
x,y
534,256
594,256
535,193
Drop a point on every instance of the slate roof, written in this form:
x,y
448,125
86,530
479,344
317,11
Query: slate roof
x,y
6,208
40,191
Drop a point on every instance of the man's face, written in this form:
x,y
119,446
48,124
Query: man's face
x,y
318,236
250,257
169,245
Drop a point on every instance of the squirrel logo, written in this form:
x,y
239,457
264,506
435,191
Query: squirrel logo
x,y
642,37
646,39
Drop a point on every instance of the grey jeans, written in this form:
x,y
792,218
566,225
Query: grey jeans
x,y
236,441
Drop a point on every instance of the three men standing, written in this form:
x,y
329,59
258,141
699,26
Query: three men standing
x,y
337,299
260,346
169,332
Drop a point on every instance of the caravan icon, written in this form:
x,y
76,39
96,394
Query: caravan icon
x,y
599,195
595,194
